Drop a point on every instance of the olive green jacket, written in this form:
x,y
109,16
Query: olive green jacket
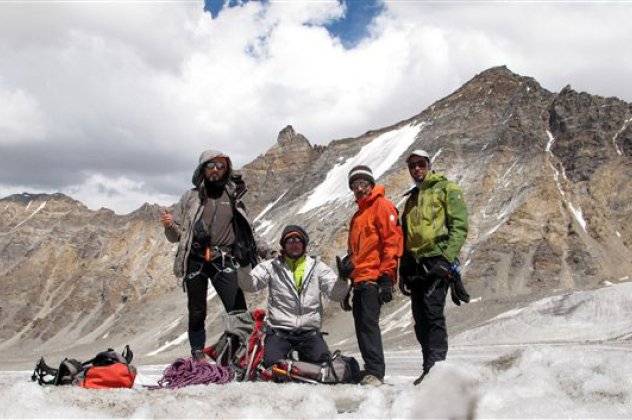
x,y
435,219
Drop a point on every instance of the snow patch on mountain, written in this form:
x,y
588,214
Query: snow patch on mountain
x,y
41,206
621,130
268,207
577,212
380,155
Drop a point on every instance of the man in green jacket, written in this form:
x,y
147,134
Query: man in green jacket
x,y
435,227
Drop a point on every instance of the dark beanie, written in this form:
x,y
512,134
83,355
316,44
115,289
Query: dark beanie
x,y
289,230
361,172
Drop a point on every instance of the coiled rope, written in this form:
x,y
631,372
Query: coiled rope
x,y
185,372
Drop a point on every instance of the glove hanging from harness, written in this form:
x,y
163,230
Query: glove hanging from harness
x,y
345,304
404,286
457,290
345,268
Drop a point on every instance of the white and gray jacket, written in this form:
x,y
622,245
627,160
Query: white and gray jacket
x,y
287,308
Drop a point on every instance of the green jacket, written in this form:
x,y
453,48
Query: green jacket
x,y
435,219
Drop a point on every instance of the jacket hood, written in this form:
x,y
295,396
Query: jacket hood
x,y
207,155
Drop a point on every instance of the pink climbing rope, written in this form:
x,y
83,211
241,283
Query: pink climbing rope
x,y
185,372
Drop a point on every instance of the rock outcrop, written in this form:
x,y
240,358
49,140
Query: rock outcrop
x,y
279,168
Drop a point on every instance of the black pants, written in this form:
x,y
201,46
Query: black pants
x,y
428,302
310,345
224,279
366,318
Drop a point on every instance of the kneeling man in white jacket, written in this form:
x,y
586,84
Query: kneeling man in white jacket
x,y
296,283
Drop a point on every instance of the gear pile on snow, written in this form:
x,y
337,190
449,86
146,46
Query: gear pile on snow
x,y
236,356
107,369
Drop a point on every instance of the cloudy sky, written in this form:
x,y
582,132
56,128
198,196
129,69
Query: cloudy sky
x,y
112,102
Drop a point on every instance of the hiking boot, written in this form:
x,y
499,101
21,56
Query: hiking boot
x,y
371,380
421,377
198,355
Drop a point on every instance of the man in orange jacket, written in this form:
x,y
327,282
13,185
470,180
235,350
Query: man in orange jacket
x,y
375,243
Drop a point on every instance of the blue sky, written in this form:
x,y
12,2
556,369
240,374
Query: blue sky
x,y
125,95
350,29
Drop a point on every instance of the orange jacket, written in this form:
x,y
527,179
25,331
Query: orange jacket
x,y
375,240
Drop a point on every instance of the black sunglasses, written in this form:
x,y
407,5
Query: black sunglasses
x,y
418,164
213,165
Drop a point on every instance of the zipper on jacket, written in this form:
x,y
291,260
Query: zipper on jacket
x,y
308,277
187,250
434,212
288,281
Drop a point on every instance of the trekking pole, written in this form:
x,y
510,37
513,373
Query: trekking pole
x,y
283,372
251,360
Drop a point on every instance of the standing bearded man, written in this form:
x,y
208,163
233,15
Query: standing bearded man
x,y
435,227
214,238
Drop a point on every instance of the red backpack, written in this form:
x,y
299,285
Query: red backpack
x,y
241,344
107,369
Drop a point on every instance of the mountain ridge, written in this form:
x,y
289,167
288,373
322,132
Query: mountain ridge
x,y
545,175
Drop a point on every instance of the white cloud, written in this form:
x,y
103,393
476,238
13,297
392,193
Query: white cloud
x,y
121,193
20,117
122,89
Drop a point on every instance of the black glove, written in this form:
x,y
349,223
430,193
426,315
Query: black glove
x,y
458,292
345,267
440,269
407,265
385,288
404,286
345,303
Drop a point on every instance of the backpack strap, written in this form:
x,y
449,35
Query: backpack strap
x,y
68,369
128,354
41,371
330,361
109,357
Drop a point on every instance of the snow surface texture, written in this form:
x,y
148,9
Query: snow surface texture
x,y
567,356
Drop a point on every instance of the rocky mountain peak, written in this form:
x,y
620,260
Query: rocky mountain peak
x,y
279,168
495,75
490,89
289,137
